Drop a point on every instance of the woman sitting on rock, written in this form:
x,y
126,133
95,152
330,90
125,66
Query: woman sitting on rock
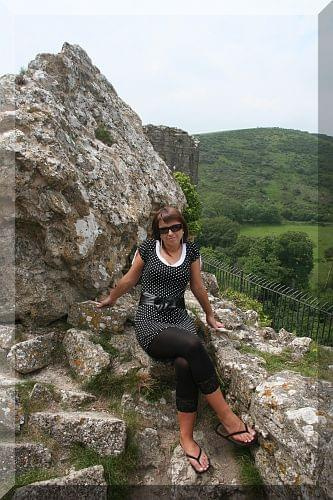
x,y
166,264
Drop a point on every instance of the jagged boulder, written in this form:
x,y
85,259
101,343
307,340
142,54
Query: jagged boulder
x,y
99,431
295,416
31,355
86,358
87,182
84,484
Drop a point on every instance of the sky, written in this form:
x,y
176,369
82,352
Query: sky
x,y
198,69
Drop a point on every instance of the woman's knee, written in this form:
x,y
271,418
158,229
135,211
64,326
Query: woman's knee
x,y
181,365
195,345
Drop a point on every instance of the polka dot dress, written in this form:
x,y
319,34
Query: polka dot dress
x,y
164,280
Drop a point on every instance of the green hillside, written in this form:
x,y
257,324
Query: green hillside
x,y
243,172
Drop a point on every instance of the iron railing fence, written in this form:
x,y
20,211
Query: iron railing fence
x,y
294,310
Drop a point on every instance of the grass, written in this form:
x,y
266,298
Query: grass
x,y
31,476
313,364
103,135
112,386
250,475
104,341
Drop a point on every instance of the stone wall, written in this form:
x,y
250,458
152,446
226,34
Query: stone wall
x,y
179,150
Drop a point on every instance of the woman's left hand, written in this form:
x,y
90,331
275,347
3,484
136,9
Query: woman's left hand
x,y
211,321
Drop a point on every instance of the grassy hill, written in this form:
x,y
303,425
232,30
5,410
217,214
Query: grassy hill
x,y
272,166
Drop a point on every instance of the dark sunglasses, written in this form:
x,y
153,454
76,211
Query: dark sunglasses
x,y
174,228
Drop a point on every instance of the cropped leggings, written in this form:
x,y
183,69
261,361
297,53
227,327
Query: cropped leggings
x,y
193,366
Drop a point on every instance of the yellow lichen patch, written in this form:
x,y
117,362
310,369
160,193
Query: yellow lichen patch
x,y
269,446
282,468
273,404
95,320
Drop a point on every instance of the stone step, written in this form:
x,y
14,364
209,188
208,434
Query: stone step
x,y
99,431
85,484
20,457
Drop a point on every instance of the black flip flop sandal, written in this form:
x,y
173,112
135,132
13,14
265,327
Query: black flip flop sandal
x,y
198,460
239,443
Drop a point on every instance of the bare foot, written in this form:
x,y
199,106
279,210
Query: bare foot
x,y
232,423
192,448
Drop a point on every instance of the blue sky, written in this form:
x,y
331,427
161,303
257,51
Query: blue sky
x,y
202,73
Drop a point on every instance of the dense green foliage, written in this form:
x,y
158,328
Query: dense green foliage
x,y
192,212
286,258
218,231
266,174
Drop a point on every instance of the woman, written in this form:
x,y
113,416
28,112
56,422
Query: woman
x,y
166,264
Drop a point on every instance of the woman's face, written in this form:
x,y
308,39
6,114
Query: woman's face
x,y
171,237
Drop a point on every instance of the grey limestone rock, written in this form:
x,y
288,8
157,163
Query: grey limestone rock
x,y
7,336
84,484
99,431
86,358
31,355
24,456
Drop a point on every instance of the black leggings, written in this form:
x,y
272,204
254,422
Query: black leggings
x,y
193,365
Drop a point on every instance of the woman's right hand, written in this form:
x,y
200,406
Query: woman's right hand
x,y
105,302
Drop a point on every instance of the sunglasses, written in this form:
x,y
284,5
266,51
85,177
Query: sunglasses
x,y
174,228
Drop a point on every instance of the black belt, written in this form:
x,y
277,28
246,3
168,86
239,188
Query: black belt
x,y
162,303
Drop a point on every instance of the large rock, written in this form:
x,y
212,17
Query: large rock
x,y
87,182
294,413
98,431
84,484
242,373
85,358
107,319
31,355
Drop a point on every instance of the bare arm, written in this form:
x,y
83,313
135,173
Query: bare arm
x,y
127,282
198,289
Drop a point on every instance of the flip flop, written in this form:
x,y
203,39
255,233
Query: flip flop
x,y
197,459
235,441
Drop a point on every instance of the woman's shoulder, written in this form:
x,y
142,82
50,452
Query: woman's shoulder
x,y
193,249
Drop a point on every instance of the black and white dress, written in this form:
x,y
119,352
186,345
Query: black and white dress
x,y
164,280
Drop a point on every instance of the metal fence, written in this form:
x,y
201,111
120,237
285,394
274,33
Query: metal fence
x,y
291,309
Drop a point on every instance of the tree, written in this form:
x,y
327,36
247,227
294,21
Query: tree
x,y
295,252
218,232
192,212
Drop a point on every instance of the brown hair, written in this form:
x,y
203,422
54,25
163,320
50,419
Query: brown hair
x,y
166,214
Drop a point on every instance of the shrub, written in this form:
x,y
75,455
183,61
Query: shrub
x,y
102,134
